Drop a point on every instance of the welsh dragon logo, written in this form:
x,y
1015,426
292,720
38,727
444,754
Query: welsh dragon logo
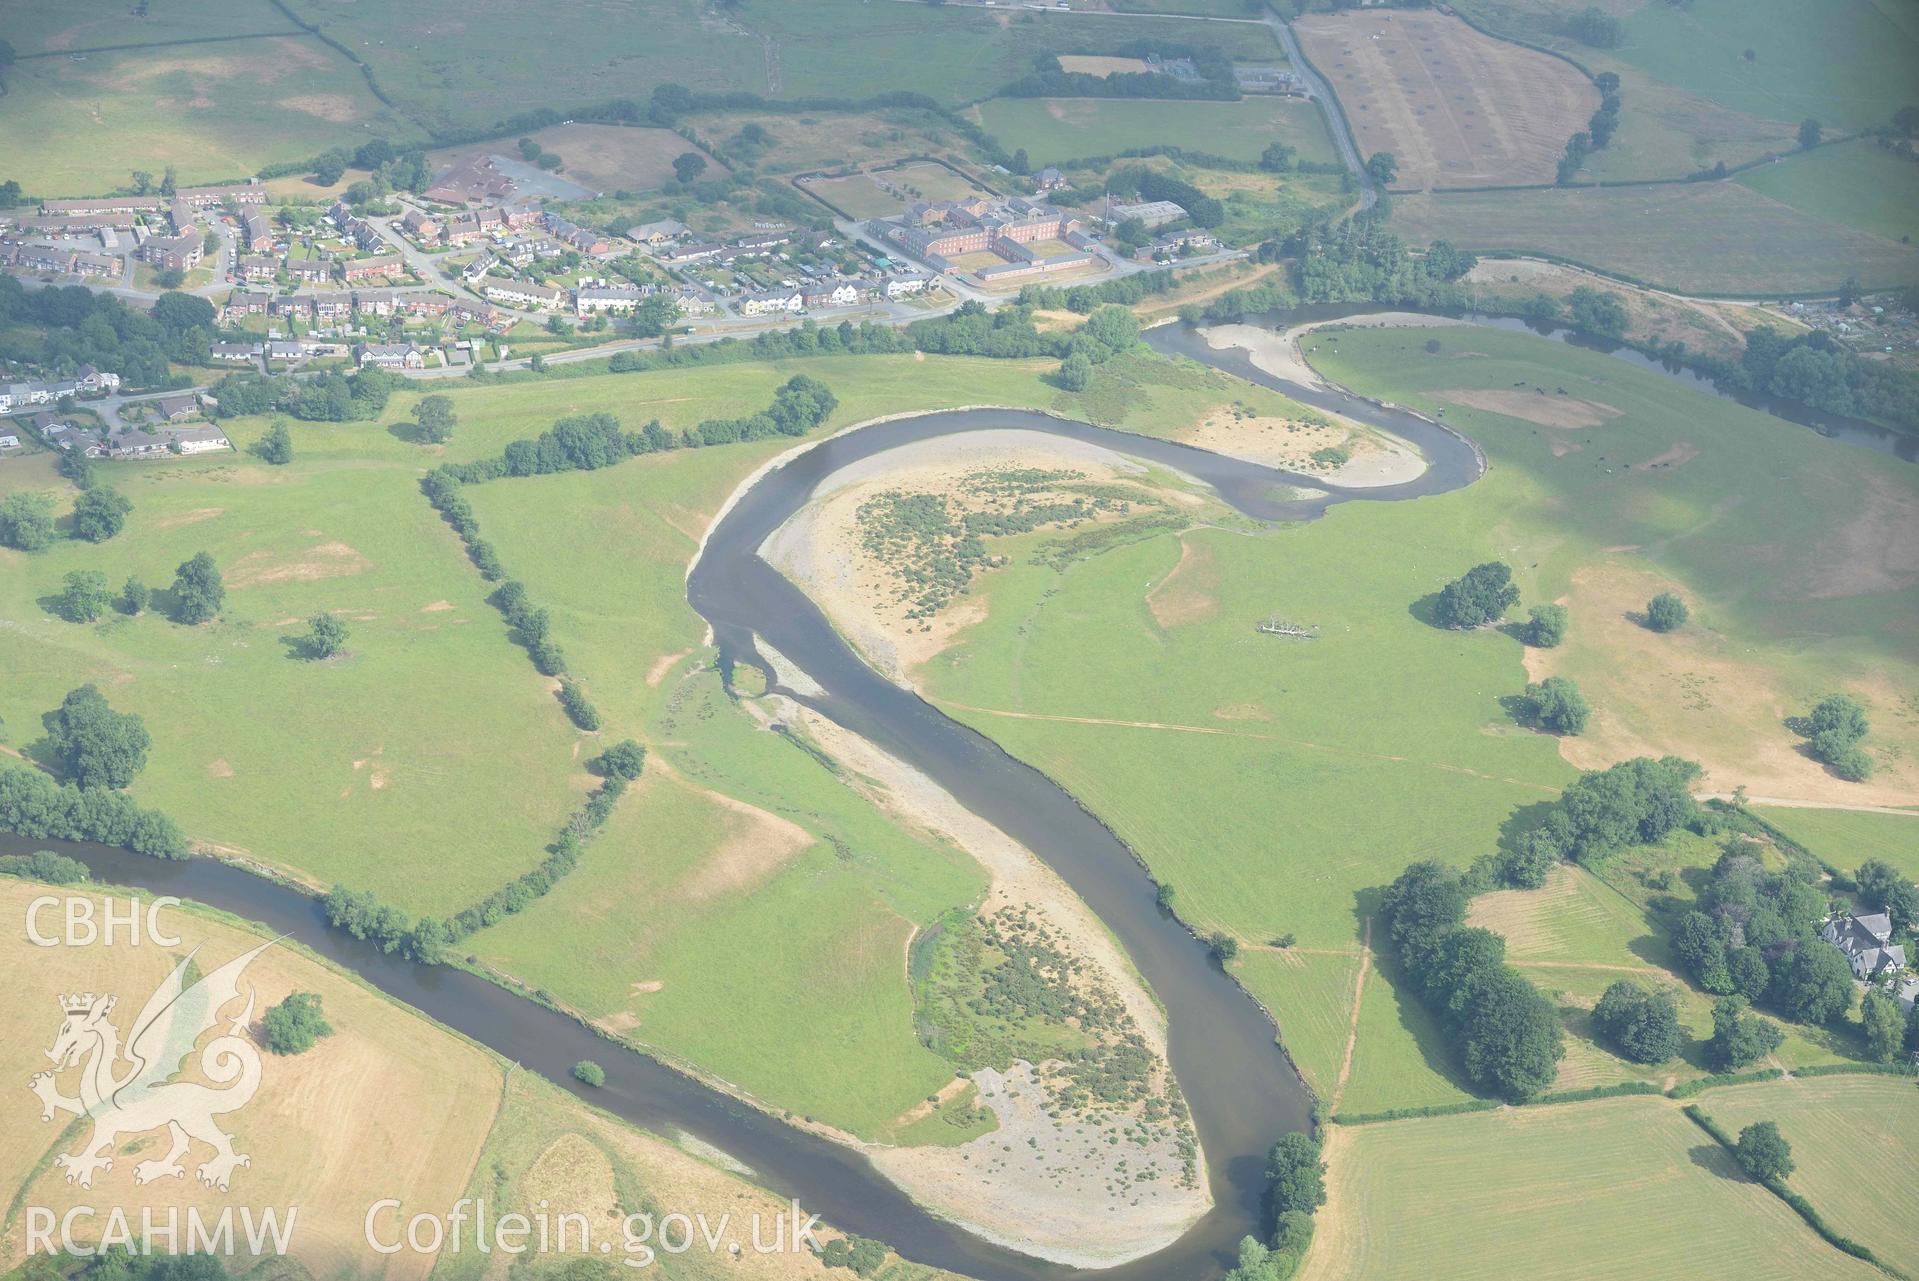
x,y
128,1089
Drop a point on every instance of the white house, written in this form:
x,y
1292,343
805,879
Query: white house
x,y
1867,944
773,300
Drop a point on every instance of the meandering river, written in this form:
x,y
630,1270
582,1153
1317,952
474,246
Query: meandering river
x,y
1242,1091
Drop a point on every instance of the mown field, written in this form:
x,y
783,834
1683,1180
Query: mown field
x,y
1622,1187
1278,784
1848,839
1855,184
1838,1126
1707,238
1056,130
1454,107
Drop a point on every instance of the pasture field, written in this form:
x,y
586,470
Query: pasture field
x,y
1821,619
1847,839
217,112
1856,184
348,770
1057,130
1709,237
1838,1125
1690,97
1455,108
1624,1187
1848,63
452,64
321,1128
85,25
1278,784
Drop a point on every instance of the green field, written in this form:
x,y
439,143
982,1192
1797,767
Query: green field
x,y
1848,839
1279,784
216,112
1616,1188
1855,184
1689,95
1846,62
352,769
1055,130
1713,237
1839,1126
447,63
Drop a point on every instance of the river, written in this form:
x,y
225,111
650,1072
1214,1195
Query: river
x,y
1242,1091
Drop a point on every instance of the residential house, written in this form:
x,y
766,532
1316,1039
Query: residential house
x,y
1866,942
374,302
1049,179
772,301
389,356
463,312
93,379
476,271
246,302
181,214
200,440
97,265
284,350
257,267
310,271
592,298
239,193
8,442
381,265
424,304
235,352
523,293
256,231
292,306
689,252
173,409
900,286
174,253
332,307
419,224
104,205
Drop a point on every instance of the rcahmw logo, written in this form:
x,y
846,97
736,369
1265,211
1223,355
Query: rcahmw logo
x,y
126,1086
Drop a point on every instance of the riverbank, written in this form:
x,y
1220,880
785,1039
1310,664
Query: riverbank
x,y
1048,1185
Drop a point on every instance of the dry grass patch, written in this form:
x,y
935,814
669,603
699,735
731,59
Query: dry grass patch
x,y
1456,108
1536,406
389,1105
1694,693
1190,593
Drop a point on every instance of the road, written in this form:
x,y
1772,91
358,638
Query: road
x,y
1322,93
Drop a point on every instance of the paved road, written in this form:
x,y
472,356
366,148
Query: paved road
x,y
1322,93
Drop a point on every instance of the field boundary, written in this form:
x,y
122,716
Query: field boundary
x,y
1800,1206
156,44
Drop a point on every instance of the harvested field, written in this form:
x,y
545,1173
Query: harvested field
x,y
1088,64
1456,108
1617,1188
1535,406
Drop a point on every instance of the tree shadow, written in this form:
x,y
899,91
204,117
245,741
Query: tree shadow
x,y
1522,820
1714,1159
301,648
1426,610
40,751
1517,631
1419,1022
1519,709
407,431
50,605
